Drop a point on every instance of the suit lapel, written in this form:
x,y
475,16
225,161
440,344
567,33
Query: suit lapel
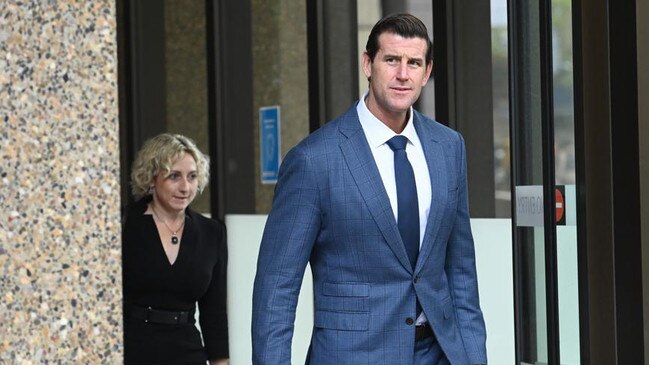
x,y
436,162
362,167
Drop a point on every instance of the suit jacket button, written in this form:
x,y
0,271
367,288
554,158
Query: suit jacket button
x,y
410,321
415,279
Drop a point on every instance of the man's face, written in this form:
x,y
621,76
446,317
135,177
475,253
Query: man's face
x,y
398,73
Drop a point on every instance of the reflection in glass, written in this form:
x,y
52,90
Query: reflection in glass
x,y
499,59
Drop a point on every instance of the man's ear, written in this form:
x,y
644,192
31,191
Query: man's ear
x,y
367,65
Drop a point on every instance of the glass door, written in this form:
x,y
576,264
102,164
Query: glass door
x,y
543,170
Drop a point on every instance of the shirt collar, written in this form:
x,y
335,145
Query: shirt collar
x,y
377,132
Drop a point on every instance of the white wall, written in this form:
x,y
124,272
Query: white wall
x,y
493,250
244,236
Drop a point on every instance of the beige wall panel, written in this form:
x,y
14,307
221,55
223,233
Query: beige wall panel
x,y
280,76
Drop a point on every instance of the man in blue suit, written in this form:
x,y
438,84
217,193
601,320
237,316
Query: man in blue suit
x,y
376,201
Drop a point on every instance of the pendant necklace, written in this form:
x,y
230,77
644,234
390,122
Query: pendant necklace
x,y
174,234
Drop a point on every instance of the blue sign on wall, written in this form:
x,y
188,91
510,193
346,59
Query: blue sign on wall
x,y
269,143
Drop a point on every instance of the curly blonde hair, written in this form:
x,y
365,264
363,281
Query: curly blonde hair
x,y
158,154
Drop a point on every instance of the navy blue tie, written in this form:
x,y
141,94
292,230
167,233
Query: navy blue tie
x,y
407,203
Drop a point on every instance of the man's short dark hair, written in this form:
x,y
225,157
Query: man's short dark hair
x,y
405,25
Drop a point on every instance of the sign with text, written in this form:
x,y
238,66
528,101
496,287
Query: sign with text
x,y
269,143
529,205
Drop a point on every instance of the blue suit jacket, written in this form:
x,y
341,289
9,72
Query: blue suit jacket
x,y
331,209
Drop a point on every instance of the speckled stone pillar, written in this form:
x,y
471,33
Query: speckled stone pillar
x,y
60,266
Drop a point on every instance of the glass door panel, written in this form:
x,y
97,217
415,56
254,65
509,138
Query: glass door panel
x,y
564,149
528,179
543,169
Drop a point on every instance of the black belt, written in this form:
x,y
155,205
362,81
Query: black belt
x,y
423,331
150,315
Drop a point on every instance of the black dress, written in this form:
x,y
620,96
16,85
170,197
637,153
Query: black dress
x,y
197,275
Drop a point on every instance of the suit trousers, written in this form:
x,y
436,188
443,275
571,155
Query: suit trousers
x,y
428,352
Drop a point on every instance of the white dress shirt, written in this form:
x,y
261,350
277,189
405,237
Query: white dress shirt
x,y
377,134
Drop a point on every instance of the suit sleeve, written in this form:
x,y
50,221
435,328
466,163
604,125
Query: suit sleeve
x,y
461,271
289,236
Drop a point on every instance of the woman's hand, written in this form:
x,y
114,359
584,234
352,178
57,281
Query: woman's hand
x,y
219,362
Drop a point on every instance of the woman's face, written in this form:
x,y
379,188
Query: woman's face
x,y
175,190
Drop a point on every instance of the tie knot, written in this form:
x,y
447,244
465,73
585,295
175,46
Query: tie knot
x,y
398,143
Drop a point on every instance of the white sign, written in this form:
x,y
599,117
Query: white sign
x,y
529,205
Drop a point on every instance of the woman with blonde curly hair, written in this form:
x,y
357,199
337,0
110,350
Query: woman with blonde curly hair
x,y
173,258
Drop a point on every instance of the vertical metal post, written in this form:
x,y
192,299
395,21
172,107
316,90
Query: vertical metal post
x,y
549,182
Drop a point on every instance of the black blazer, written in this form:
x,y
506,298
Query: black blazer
x,y
199,274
